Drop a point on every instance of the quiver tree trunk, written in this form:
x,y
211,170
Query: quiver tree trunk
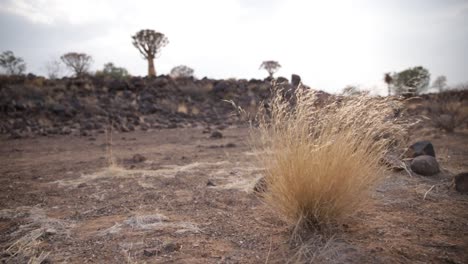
x,y
151,69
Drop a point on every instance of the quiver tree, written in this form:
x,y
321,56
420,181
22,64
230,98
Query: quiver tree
x,y
149,44
271,67
388,79
181,71
79,63
13,65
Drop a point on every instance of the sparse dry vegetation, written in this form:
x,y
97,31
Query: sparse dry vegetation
x,y
448,112
321,161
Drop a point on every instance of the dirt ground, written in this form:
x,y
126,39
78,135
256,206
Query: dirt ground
x,y
191,201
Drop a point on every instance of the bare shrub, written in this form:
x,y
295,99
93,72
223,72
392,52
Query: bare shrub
x,y
448,110
321,161
181,71
53,69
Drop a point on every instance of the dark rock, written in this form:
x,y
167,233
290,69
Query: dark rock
x,y
261,185
425,165
210,183
138,158
461,182
58,109
172,126
15,135
295,80
171,247
216,135
221,87
282,80
421,148
230,145
150,252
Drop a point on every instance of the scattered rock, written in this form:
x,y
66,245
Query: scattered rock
x,y
261,185
216,135
230,145
138,158
50,231
421,148
425,165
461,182
171,247
282,80
82,185
150,252
295,80
210,183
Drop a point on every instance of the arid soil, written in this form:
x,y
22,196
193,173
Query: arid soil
x,y
191,201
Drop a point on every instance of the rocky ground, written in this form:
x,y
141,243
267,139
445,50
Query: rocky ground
x,y
72,193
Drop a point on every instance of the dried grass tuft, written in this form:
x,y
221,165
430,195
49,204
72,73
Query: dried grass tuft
x,y
321,158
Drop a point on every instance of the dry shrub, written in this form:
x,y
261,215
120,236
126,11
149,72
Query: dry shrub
x,y
448,110
322,158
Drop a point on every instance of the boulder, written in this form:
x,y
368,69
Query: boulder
x,y
295,80
461,182
282,80
425,165
216,134
138,158
421,148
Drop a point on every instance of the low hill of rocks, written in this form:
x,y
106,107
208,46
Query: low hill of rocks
x,y
31,105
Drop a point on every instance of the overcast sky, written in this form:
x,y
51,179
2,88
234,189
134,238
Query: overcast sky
x,y
330,43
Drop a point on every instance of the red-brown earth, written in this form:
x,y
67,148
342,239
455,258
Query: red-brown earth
x,y
62,198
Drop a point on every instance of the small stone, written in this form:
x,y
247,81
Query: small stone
x,y
425,165
171,247
150,252
461,182
261,185
230,145
138,158
216,135
50,232
210,183
421,148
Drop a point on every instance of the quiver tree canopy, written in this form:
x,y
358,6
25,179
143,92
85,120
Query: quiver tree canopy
x,y
149,43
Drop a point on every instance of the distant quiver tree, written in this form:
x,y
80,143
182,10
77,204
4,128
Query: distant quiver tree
x,y
271,67
149,44
77,62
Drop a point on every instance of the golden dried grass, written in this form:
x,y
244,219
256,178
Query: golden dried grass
x,y
321,159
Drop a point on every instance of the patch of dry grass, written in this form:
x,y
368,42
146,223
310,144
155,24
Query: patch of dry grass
x,y
322,159
26,249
